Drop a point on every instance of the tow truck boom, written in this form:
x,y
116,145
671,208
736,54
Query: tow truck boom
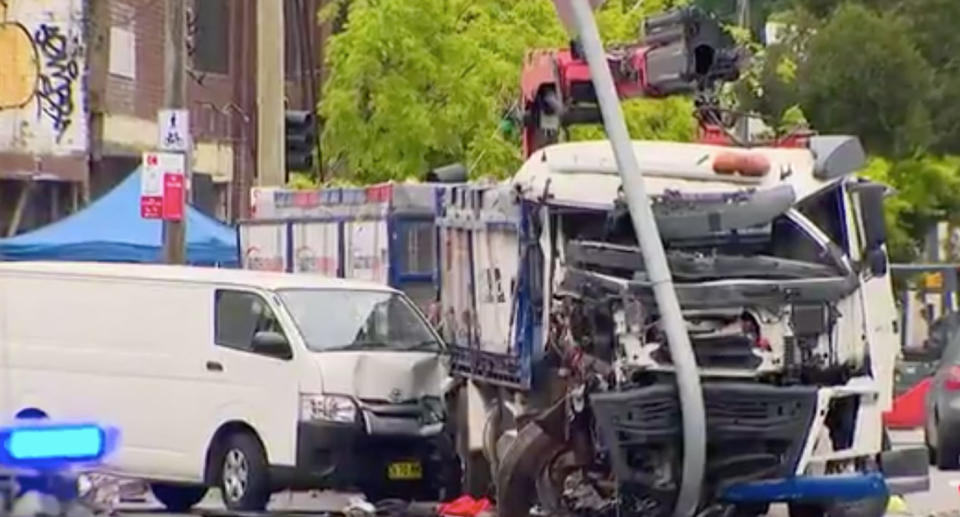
x,y
682,52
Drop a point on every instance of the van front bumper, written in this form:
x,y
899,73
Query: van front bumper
x,y
345,457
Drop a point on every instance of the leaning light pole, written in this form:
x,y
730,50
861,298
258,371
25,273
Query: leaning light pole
x,y
577,15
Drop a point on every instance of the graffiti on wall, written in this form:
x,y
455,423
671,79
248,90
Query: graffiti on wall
x,y
42,95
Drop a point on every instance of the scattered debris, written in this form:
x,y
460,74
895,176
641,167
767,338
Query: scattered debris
x,y
897,505
465,506
359,507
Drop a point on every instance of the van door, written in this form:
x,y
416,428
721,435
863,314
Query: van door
x,y
256,388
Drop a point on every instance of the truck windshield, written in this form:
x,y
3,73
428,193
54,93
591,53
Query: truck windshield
x,y
340,319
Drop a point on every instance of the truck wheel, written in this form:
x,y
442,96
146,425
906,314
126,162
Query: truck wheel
x,y
243,475
178,498
519,469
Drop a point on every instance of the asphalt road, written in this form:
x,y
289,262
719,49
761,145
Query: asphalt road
x,y
943,499
944,496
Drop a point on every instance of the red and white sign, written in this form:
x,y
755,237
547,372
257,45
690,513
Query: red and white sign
x,y
162,186
173,196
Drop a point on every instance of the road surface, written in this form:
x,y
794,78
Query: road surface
x,y
943,499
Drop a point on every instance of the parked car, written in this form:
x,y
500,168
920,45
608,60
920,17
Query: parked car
x,y
942,425
250,381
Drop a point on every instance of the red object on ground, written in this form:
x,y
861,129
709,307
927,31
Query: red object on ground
x,y
464,506
909,409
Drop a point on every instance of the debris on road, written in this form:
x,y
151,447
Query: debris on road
x,y
359,507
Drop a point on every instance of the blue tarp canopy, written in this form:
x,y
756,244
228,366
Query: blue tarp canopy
x,y
111,230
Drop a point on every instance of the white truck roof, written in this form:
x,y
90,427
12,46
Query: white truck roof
x,y
586,174
200,275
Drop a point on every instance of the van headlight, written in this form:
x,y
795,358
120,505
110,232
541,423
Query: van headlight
x,y
327,408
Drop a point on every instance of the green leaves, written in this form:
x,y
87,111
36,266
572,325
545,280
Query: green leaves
x,y
862,76
928,191
886,71
414,85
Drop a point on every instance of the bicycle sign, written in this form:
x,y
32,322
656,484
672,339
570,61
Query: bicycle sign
x,y
174,130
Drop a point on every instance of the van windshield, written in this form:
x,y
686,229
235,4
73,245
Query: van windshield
x,y
340,319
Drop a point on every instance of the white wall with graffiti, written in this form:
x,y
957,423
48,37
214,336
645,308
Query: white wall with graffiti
x,y
42,84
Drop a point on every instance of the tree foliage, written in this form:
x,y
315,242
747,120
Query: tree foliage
x,y
886,71
861,77
414,85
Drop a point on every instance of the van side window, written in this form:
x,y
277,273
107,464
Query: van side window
x,y
239,316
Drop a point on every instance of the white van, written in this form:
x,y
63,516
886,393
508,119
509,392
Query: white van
x,y
250,381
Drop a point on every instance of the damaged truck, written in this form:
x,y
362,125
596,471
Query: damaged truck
x,y
569,403
785,290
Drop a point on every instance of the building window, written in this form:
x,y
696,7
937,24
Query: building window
x,y
211,38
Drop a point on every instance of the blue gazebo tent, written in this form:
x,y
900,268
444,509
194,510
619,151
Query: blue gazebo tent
x,y
111,230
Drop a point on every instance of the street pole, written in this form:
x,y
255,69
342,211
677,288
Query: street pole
x,y
174,91
655,260
743,19
270,93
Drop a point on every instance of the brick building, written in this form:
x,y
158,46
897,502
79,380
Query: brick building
x,y
94,108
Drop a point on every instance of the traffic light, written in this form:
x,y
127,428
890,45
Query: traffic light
x,y
301,139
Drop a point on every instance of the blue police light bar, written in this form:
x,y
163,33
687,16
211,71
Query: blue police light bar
x,y
54,445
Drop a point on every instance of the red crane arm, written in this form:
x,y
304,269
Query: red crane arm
x,y
557,90
684,52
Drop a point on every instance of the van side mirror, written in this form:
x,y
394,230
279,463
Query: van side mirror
x,y
273,344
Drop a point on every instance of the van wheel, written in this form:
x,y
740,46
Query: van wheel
x,y
178,498
243,475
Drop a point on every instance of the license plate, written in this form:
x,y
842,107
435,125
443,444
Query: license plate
x,y
405,470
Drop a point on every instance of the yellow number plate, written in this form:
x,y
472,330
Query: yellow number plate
x,y
405,470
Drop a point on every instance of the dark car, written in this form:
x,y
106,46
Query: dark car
x,y
942,425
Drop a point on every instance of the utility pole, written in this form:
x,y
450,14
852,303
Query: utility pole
x,y
742,128
270,94
693,414
174,91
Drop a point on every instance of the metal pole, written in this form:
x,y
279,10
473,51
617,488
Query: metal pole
x,y
743,19
270,93
654,257
175,97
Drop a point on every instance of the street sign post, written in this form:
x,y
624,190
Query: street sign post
x,y
174,130
151,187
162,186
173,201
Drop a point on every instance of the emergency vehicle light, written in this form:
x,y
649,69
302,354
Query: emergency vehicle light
x,y
53,444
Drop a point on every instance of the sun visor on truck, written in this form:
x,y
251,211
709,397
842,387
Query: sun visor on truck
x,y
686,216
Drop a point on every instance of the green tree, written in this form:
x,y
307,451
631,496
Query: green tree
x,y
927,191
933,27
413,85
863,75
